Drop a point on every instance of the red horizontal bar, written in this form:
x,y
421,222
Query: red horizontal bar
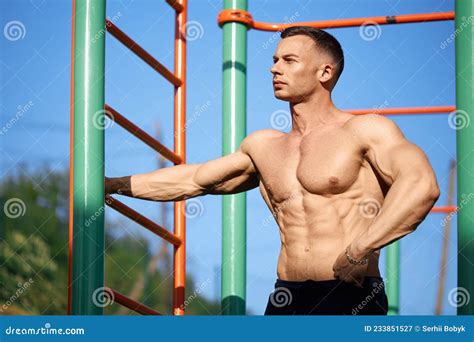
x,y
142,53
404,110
445,209
241,16
142,135
131,304
176,5
142,220
381,20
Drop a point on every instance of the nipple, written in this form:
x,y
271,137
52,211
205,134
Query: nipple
x,y
333,180
306,249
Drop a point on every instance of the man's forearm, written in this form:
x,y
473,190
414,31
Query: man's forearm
x,y
168,184
406,205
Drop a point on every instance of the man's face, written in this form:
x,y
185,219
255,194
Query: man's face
x,y
298,68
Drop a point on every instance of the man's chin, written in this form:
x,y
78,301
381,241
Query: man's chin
x,y
281,96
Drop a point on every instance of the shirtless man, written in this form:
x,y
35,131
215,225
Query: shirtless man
x,y
340,186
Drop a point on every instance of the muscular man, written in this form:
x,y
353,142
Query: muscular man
x,y
340,186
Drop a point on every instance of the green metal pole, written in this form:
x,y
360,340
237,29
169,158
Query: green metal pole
x,y
233,132
465,157
392,277
88,219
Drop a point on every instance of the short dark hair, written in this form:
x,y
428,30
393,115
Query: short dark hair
x,y
323,40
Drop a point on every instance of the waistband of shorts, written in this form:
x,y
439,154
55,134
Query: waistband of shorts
x,y
371,281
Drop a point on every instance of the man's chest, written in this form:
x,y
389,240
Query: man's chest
x,y
321,164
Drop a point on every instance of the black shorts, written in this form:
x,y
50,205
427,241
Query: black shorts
x,y
328,297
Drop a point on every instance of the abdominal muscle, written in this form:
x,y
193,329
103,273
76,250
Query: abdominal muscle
x,y
314,231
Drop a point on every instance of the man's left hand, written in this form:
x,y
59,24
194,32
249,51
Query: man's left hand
x,y
348,272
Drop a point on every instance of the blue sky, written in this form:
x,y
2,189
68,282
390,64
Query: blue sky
x,y
405,65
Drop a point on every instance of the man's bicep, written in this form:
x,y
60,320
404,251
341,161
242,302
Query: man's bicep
x,y
408,160
392,155
227,175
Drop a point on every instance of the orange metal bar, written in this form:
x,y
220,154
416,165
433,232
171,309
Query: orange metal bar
x,y
141,134
130,303
142,220
404,110
175,4
71,162
140,52
445,209
246,18
179,275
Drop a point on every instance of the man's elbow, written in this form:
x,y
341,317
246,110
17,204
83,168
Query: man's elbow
x,y
428,195
433,190
436,193
429,191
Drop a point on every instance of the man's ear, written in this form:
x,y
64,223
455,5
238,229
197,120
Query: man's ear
x,y
326,72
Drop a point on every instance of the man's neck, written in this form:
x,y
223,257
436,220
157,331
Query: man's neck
x,y
314,112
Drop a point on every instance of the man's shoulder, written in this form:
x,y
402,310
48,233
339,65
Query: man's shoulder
x,y
373,126
265,133
256,138
370,120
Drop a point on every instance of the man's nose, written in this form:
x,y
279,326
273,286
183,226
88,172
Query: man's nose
x,y
274,70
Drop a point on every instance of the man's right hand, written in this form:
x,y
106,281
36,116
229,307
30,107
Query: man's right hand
x,y
108,182
118,185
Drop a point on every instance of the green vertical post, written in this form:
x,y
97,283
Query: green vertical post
x,y
234,104
465,157
392,277
88,179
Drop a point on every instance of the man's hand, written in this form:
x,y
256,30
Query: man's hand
x,y
108,185
348,272
118,185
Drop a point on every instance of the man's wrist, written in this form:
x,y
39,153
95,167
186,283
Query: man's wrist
x,y
359,251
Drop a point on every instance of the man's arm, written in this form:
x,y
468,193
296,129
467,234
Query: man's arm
x,y
230,174
414,189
